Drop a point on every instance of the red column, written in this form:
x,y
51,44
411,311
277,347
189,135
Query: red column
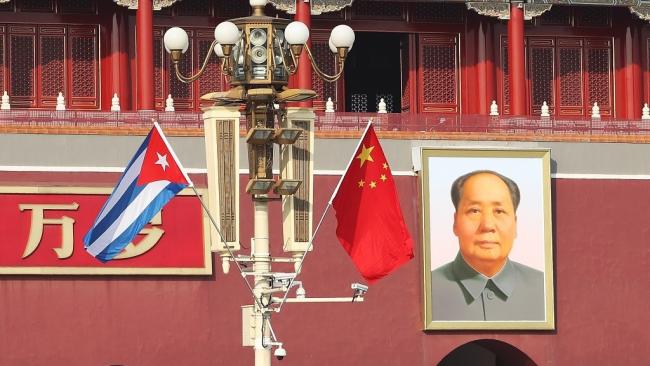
x,y
631,62
516,60
144,54
126,83
303,80
481,71
119,71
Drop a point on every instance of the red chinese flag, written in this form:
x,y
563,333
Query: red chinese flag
x,y
371,227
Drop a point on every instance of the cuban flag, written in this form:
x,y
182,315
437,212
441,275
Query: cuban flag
x,y
152,178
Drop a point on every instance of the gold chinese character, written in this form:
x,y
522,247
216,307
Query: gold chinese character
x,y
39,221
152,237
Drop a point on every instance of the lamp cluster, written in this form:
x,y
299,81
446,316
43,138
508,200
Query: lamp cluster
x,y
259,49
258,53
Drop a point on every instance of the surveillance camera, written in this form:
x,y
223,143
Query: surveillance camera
x,y
359,288
282,279
280,353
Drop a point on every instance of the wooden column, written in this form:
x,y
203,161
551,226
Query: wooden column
x,y
303,80
119,55
516,60
632,72
481,70
144,55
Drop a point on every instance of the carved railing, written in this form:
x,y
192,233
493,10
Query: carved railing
x,y
392,122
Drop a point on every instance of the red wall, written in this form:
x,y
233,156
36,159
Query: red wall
x,y
602,257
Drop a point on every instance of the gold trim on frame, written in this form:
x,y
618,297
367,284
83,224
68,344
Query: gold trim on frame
x,y
207,255
545,156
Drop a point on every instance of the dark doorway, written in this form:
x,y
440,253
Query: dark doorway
x,y
373,71
486,352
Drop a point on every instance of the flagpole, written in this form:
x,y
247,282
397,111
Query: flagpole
x,y
302,259
350,162
329,204
216,227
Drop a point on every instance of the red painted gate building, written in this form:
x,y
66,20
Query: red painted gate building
x,y
439,66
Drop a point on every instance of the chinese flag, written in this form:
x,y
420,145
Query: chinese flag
x,y
371,227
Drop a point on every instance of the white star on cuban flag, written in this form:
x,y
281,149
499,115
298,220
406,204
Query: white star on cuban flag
x,y
162,161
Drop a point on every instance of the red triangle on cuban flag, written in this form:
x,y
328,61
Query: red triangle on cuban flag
x,y
160,162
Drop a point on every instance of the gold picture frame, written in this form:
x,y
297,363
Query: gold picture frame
x,y
486,267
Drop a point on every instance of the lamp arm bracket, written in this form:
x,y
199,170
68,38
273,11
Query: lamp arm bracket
x,y
192,78
319,72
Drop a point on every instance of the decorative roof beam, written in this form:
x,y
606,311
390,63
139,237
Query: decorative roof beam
x,y
496,10
317,6
642,11
502,10
133,4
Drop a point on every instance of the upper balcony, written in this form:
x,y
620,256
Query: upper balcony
x,y
333,125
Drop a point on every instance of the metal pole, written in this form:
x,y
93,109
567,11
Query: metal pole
x,y
261,265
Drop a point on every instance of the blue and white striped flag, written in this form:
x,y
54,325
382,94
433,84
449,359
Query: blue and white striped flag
x,y
152,178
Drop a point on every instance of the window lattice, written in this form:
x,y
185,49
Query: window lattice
x,y
22,66
359,103
438,12
177,88
598,68
210,81
325,61
2,62
406,85
83,66
439,71
158,68
542,75
52,66
570,77
388,99
506,75
377,9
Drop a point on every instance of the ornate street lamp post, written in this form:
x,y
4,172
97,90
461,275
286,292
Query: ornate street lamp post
x,y
258,54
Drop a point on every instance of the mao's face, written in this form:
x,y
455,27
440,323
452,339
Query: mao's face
x,y
485,223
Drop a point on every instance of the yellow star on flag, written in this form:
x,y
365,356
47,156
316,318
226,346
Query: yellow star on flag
x,y
383,177
373,184
361,183
364,155
385,165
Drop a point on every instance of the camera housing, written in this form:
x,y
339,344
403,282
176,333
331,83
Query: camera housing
x,y
280,353
359,289
280,279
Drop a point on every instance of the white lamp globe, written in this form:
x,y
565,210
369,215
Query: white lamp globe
x,y
176,39
342,36
333,48
226,33
258,2
218,51
296,33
